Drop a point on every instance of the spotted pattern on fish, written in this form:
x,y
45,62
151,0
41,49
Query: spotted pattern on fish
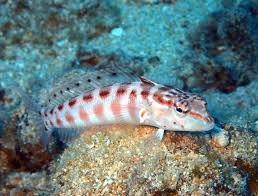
x,y
142,102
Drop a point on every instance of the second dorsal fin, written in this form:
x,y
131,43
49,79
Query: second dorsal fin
x,y
79,81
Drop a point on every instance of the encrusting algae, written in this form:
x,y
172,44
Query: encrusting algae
x,y
130,162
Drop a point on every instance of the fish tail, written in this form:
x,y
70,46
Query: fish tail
x,y
36,115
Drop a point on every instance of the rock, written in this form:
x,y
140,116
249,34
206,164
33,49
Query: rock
x,y
117,32
221,139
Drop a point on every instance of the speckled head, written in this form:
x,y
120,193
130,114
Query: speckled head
x,y
187,112
195,115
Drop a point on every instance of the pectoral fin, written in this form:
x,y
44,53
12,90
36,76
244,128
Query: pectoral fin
x,y
155,139
159,134
144,115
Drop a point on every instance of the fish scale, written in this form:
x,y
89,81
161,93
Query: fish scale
x,y
115,101
142,102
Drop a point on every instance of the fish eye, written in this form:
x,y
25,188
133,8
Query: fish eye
x,y
179,110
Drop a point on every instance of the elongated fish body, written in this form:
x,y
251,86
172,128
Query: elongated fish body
x,y
142,102
118,103
81,100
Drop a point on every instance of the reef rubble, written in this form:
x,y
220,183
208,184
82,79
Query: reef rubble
x,y
127,161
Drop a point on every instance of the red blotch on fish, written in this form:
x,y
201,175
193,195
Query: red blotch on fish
x,y
99,110
69,118
87,97
159,99
121,91
145,94
72,102
60,107
104,93
58,121
51,111
116,108
83,115
133,95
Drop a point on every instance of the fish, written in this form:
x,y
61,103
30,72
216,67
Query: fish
x,y
138,102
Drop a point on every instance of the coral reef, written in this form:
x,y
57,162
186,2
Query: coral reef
x,y
229,39
33,22
238,109
21,151
221,139
25,183
94,59
48,34
156,1
130,162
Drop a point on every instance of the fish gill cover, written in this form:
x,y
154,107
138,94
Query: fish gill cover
x,y
209,48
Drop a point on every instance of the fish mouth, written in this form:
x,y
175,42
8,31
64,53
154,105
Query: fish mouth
x,y
211,126
210,123
209,119
207,124
200,125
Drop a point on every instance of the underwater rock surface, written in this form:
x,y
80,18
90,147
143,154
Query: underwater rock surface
x,y
214,54
125,160
229,39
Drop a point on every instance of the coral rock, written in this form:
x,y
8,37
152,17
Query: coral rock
x,y
221,139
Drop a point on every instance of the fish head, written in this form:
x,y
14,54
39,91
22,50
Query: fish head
x,y
183,112
192,115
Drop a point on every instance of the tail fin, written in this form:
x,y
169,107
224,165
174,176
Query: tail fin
x,y
30,104
35,115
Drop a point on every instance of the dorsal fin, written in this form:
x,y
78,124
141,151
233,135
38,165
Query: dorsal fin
x,y
78,81
147,81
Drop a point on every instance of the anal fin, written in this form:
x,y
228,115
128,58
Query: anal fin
x,y
66,135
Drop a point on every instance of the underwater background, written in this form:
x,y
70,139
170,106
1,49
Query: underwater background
x,y
205,47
